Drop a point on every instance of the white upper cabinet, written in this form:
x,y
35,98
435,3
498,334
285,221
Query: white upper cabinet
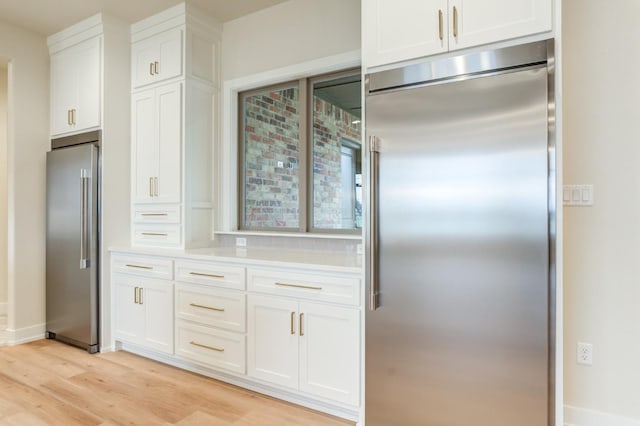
x,y
399,30
157,58
156,137
488,21
76,87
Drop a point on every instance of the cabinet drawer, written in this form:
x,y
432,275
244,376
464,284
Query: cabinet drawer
x,y
210,273
210,347
143,266
150,213
211,307
329,288
159,235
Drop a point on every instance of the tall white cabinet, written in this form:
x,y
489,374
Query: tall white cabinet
x,y
174,83
399,30
90,89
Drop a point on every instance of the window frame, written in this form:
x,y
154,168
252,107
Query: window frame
x,y
305,169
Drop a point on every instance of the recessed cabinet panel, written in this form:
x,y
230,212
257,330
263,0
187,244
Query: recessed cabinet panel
x,y
211,306
128,316
395,30
272,340
157,58
76,87
169,140
145,147
211,347
493,20
400,30
330,352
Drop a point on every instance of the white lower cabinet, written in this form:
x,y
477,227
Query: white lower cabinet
x,y
311,347
143,311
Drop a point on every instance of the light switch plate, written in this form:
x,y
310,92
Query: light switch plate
x,y
577,195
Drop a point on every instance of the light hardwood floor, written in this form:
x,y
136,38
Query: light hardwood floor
x,y
50,383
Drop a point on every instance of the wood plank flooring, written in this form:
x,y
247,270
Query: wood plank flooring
x,y
50,383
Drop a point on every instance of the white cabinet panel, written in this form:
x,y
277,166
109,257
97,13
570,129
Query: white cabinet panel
x,y
215,274
395,30
157,145
400,30
211,347
330,352
143,311
212,307
75,87
489,21
272,340
157,58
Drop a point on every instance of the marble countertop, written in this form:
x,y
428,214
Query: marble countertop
x,y
318,260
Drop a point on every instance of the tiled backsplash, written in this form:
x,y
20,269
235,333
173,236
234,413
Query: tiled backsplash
x,y
332,244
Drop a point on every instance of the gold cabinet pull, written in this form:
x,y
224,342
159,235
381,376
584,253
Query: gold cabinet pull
x,y
455,21
73,117
130,265
301,329
140,296
195,305
213,348
69,117
308,287
155,234
135,295
155,67
293,319
154,214
155,186
150,68
201,274
150,187
440,24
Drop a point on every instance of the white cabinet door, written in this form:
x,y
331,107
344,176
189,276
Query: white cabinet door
x,y
128,315
169,140
157,145
396,30
272,347
488,21
157,58
75,88
145,155
330,352
157,299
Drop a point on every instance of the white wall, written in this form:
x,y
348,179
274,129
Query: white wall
x,y
28,139
3,186
289,33
602,243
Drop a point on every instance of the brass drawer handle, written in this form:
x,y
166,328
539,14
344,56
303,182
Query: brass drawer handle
x,y
213,348
200,274
293,316
154,214
308,287
155,234
128,265
195,305
301,328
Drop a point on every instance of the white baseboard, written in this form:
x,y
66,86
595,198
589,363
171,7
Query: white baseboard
x,y
575,416
26,334
4,308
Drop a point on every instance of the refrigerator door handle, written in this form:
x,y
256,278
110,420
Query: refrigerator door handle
x,y
374,290
84,219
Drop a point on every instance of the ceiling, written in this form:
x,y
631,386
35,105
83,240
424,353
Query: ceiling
x,y
47,17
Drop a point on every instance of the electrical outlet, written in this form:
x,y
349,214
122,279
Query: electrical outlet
x,y
241,242
584,353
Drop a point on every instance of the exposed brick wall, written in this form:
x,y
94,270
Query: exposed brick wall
x,y
330,125
272,135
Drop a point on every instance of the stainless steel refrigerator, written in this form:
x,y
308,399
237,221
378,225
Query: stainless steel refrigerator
x,y
72,256
460,253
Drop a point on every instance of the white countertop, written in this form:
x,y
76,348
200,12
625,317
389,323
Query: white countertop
x,y
318,260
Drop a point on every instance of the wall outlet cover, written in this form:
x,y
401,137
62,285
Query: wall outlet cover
x,y
584,353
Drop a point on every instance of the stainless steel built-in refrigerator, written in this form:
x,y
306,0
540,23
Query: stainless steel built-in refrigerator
x,y
460,324
72,277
